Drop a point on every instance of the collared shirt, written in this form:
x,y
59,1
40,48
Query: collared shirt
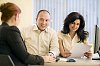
x,y
40,43
68,42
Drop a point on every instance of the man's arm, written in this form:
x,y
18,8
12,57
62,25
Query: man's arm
x,y
54,46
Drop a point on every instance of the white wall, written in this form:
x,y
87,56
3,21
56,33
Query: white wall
x,y
26,8
98,8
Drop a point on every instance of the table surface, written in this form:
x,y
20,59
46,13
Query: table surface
x,y
79,62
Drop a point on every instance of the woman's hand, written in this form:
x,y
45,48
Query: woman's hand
x,y
88,54
63,52
66,54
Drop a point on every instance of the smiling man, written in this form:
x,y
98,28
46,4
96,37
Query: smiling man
x,y
40,39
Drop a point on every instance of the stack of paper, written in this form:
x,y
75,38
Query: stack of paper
x,y
79,50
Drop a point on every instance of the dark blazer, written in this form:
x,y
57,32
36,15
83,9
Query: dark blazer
x,y
11,43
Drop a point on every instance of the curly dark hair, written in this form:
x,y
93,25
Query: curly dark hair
x,y
82,35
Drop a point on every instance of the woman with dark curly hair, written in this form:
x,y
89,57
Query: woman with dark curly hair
x,y
72,34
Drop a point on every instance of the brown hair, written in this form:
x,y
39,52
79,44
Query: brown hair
x,y
8,10
42,11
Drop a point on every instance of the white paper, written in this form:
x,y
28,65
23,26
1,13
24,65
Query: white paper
x,y
96,55
79,50
65,59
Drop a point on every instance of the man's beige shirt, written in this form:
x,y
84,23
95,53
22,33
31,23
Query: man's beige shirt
x,y
40,43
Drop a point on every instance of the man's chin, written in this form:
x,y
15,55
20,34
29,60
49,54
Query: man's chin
x,y
43,29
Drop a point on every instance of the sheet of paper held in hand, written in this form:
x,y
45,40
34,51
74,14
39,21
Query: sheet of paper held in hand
x,y
79,50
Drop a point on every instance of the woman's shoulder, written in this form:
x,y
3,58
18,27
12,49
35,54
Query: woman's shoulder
x,y
60,34
6,27
13,28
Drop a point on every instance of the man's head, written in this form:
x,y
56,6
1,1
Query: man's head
x,y
43,19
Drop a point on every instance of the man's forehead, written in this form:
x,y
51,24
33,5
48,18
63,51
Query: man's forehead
x,y
44,13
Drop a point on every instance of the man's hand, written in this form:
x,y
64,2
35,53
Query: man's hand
x,y
48,58
51,54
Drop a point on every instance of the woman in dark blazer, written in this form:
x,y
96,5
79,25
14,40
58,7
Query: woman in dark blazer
x,y
11,42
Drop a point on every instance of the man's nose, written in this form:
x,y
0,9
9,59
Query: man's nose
x,y
43,22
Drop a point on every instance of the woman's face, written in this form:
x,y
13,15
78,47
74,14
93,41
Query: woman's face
x,y
75,25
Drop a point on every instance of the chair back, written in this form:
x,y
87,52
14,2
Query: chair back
x,y
5,60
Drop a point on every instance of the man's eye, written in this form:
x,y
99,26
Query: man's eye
x,y
41,19
46,20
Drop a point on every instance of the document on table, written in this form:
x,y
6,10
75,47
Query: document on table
x,y
79,50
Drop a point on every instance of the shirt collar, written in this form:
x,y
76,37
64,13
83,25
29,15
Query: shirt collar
x,y
36,28
69,35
